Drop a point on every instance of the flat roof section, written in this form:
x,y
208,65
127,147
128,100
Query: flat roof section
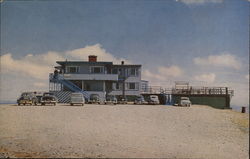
x,y
83,62
101,62
127,65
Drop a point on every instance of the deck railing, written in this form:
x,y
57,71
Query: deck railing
x,y
204,90
187,91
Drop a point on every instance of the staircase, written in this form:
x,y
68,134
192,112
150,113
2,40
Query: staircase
x,y
62,96
69,85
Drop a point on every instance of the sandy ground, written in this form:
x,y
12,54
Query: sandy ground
x,y
123,131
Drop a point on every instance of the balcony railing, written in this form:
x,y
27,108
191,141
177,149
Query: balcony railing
x,y
103,77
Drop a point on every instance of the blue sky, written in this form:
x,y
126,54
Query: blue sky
x,y
158,34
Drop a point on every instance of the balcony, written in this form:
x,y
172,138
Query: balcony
x,y
101,77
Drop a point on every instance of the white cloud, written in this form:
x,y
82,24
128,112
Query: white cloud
x,y
224,60
163,75
149,75
209,78
36,66
189,2
172,71
102,55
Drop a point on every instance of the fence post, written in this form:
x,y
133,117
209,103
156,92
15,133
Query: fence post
x,y
243,109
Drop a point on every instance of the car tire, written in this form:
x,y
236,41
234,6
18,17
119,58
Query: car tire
x,y
54,104
71,104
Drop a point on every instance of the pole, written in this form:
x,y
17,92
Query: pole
x,y
243,109
227,98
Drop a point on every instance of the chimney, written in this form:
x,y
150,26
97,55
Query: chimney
x,y
122,62
92,58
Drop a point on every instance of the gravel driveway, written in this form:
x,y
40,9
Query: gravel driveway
x,y
123,131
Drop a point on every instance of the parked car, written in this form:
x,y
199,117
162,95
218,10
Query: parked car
x,y
110,100
94,98
39,96
77,98
122,100
153,99
27,98
48,98
140,100
185,102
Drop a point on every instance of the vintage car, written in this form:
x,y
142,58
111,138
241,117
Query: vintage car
x,y
110,99
77,98
27,98
48,98
153,99
39,96
184,101
94,98
140,100
122,100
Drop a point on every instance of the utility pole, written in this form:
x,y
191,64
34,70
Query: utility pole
x,y
123,81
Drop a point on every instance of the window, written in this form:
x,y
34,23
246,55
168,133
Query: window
x,y
96,69
114,71
131,86
117,86
72,69
133,72
119,71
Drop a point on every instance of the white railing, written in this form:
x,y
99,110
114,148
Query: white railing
x,y
108,77
155,90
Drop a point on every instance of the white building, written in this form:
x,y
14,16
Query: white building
x,y
96,77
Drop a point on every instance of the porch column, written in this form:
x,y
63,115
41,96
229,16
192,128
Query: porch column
x,y
104,89
104,86
82,85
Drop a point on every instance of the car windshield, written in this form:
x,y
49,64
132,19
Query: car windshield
x,y
48,98
140,98
25,94
184,98
76,95
48,94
